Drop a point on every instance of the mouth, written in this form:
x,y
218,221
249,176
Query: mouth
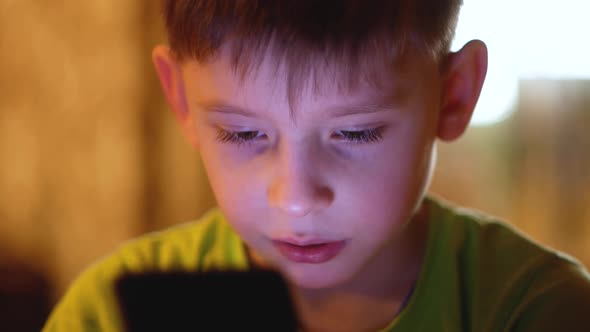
x,y
312,252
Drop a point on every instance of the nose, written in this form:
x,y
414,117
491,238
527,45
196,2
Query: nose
x,y
296,188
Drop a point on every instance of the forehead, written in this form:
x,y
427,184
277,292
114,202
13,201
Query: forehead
x,y
269,82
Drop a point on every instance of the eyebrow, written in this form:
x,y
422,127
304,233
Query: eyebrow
x,y
361,108
334,111
221,107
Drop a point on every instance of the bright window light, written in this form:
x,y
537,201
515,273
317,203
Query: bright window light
x,y
526,39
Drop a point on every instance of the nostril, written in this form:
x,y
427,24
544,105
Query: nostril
x,y
325,195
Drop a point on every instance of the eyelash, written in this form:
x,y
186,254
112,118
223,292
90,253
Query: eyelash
x,y
351,137
236,137
371,135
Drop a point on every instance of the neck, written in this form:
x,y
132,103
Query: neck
x,y
374,297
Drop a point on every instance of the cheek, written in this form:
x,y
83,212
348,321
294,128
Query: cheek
x,y
238,190
229,187
389,188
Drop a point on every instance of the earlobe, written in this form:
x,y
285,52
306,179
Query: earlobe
x,y
463,78
172,84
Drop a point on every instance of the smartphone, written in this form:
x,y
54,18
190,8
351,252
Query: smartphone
x,y
256,300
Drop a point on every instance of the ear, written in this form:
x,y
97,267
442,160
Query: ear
x,y
172,82
463,76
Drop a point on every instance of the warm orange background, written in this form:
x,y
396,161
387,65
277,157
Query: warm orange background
x,y
90,155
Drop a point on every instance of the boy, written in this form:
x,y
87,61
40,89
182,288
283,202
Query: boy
x,y
317,123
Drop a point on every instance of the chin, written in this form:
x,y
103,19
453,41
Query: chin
x,y
321,276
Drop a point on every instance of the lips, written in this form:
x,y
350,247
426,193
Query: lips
x,y
312,253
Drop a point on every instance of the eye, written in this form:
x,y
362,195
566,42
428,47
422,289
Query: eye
x,y
239,137
360,136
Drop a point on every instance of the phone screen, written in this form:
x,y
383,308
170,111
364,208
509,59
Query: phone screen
x,y
257,300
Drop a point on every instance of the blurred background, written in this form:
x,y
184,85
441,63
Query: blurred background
x,y
90,156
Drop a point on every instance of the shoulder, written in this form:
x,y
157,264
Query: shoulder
x,y
90,304
488,243
202,244
557,298
509,281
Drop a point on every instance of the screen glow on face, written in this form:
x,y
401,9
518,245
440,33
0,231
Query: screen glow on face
x,y
340,166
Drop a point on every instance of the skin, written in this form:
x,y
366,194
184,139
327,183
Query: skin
x,y
311,175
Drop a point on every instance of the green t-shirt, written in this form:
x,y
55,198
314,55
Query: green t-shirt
x,y
478,275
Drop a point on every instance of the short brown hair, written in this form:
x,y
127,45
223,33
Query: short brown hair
x,y
350,34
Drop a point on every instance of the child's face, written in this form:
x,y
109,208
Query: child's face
x,y
347,169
